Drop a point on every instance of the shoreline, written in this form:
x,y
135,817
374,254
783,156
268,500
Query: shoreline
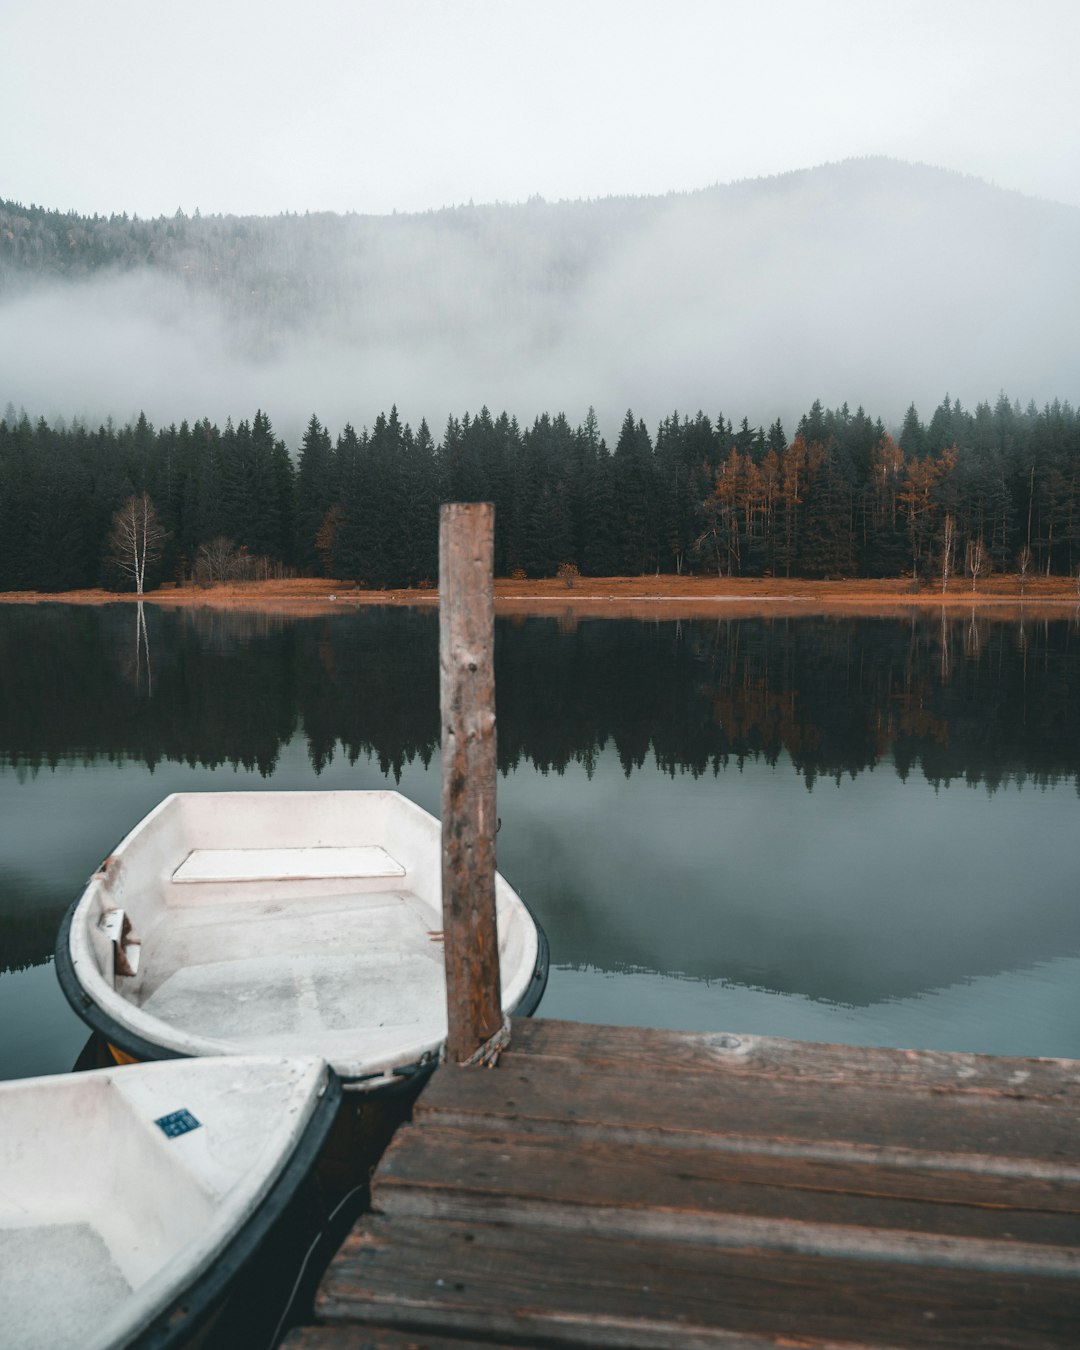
x,y
613,597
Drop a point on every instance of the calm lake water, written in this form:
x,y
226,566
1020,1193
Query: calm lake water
x,y
831,829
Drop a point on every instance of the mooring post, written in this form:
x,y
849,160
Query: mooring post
x,y
467,700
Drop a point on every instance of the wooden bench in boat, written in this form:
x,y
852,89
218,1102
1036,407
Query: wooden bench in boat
x,y
286,864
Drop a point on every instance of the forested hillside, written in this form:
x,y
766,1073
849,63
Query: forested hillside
x,y
365,277
997,488
890,282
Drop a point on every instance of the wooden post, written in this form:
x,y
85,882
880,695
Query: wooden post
x,y
467,699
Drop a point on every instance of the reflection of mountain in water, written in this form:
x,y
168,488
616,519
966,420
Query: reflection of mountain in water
x,y
849,911
970,699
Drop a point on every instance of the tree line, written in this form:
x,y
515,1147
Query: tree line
x,y
997,488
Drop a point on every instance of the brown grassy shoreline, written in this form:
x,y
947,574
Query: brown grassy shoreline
x,y
617,597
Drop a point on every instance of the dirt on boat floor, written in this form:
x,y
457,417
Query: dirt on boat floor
x,y
619,597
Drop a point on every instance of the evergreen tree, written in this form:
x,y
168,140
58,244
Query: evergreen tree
x,y
253,502
912,435
421,492
634,497
348,475
203,515
505,473
597,548
314,494
776,440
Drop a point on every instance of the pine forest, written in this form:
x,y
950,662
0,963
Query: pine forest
x,y
996,489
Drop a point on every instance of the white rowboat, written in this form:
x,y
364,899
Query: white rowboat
x,y
130,1198
280,923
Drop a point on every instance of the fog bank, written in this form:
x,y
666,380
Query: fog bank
x,y
870,282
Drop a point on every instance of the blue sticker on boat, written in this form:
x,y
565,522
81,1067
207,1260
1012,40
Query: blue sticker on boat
x,y
179,1122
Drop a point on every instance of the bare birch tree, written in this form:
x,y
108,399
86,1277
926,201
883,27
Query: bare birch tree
x,y
976,559
1023,567
948,543
137,538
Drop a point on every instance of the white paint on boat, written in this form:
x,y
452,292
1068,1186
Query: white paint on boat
x,y
105,1219
283,922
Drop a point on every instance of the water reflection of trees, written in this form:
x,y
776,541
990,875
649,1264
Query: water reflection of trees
x,y
30,914
965,697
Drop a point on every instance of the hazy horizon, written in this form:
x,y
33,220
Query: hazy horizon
x,y
580,199
248,108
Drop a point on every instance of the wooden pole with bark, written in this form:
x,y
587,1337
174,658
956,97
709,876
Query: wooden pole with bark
x,y
467,700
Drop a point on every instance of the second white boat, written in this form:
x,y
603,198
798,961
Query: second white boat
x,y
131,1199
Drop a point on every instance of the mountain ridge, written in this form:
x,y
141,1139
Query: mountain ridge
x,y
941,172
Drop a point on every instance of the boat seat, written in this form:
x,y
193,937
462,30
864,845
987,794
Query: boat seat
x,y
286,864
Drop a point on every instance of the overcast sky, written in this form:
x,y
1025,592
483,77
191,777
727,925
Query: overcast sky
x,y
261,106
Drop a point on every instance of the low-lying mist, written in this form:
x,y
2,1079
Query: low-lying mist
x,y
869,282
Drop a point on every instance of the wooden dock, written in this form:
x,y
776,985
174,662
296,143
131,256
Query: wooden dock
x,y
621,1187
632,1188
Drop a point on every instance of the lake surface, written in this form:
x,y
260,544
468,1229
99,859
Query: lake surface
x,y
831,829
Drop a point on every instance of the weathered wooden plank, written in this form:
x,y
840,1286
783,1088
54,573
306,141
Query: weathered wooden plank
x,y
382,1338
345,1337
522,1281
467,703
716,1110
706,1196
342,1336
646,1051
